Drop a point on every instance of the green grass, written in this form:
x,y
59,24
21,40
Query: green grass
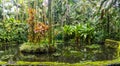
x,y
90,63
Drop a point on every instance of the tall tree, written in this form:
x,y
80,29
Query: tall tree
x,y
50,20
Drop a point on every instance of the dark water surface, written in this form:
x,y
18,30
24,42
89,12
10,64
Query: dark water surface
x,y
12,53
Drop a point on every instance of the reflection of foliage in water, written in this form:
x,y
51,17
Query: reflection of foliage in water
x,y
10,53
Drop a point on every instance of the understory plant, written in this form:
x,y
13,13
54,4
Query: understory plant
x,y
80,32
12,30
36,30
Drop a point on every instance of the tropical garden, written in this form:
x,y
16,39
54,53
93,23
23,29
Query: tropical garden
x,y
60,32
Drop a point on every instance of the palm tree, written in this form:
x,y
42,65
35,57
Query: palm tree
x,y
107,4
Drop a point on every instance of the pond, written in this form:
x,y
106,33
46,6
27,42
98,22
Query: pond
x,y
12,53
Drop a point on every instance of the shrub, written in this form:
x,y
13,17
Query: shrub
x,y
13,30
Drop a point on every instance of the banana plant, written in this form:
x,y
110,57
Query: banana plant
x,y
107,4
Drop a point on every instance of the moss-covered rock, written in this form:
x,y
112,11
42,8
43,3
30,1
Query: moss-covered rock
x,y
112,43
36,48
112,48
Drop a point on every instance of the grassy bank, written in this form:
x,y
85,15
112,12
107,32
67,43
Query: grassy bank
x,y
96,63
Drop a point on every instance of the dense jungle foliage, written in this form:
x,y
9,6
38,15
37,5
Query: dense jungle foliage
x,y
83,29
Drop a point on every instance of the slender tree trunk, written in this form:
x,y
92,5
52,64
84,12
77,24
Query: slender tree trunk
x,y
50,21
3,9
108,24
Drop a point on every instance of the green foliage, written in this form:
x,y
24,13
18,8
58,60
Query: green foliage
x,y
82,21
83,31
12,30
106,23
68,32
1,14
68,29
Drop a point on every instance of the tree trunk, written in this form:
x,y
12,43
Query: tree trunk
x,y
50,21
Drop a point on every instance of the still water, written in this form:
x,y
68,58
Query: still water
x,y
11,53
